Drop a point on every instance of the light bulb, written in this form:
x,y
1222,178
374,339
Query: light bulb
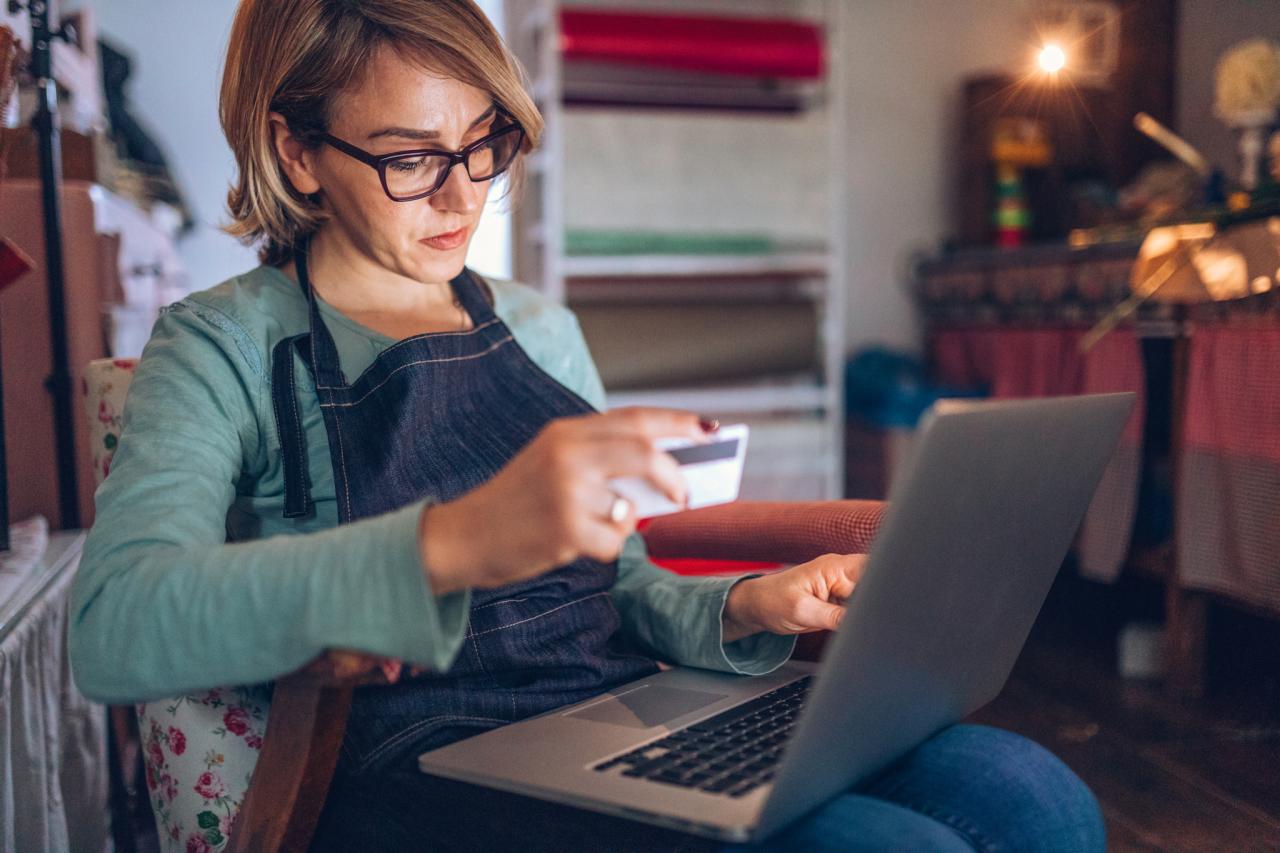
x,y
1052,58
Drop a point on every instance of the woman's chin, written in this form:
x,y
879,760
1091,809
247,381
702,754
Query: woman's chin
x,y
428,264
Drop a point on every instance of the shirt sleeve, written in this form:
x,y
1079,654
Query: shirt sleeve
x,y
163,604
675,618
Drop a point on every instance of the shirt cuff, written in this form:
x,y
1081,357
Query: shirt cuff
x,y
756,654
433,626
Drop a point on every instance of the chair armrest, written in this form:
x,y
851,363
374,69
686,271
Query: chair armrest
x,y
341,668
309,709
768,531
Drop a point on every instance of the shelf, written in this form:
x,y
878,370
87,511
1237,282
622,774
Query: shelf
x,y
794,264
667,290
738,399
783,361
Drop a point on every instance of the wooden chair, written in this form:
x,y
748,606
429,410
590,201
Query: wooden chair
x,y
309,708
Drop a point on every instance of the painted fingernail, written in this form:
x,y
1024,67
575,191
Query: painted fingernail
x,y
709,424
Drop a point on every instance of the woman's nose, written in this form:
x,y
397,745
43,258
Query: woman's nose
x,y
459,193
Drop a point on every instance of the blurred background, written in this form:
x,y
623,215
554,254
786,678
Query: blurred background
x,y
818,217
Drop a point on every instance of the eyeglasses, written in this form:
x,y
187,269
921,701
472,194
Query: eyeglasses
x,y
411,175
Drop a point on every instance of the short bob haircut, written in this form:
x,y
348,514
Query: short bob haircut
x,y
294,57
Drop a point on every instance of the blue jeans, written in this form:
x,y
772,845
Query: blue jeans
x,y
967,788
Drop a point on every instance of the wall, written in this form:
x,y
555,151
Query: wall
x,y
177,50
905,64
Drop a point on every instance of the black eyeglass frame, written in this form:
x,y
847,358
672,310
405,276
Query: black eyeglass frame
x,y
379,162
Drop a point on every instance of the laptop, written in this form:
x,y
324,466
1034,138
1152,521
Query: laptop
x,y
980,519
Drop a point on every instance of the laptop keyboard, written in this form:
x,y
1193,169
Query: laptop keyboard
x,y
732,753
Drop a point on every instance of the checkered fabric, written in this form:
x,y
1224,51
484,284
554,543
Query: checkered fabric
x,y
1046,362
767,531
1229,488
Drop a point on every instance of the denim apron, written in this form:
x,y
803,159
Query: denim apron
x,y
437,415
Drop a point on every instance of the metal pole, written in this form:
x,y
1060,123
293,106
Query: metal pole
x,y
4,476
45,123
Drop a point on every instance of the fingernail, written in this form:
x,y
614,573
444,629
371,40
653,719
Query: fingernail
x,y
709,424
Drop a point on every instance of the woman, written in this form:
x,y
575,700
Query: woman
x,y
431,446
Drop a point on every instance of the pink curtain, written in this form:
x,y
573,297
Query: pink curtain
x,y
1229,489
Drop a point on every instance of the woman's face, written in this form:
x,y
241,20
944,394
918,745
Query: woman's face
x,y
401,106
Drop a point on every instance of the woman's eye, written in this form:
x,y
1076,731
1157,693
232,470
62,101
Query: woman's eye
x,y
407,166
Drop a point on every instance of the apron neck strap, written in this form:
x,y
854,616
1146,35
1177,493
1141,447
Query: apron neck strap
x,y
470,292
323,351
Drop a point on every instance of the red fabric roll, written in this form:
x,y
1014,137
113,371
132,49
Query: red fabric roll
x,y
755,47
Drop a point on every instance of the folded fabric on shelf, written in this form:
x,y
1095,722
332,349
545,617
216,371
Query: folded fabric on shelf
x,y
591,241
757,47
597,83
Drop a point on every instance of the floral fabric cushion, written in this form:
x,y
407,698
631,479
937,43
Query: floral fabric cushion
x,y
200,749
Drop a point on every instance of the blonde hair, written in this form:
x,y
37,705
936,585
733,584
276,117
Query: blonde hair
x,y
294,57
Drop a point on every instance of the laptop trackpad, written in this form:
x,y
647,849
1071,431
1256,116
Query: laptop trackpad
x,y
644,707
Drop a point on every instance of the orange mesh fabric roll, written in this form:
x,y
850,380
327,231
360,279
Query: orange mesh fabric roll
x,y
766,531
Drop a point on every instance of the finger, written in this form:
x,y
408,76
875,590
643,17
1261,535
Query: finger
x,y
602,540
654,423
390,669
813,613
636,456
854,566
626,522
840,581
832,576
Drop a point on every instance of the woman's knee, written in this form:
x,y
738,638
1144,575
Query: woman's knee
x,y
858,824
1000,789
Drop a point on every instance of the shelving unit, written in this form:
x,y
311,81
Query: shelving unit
x,y
797,418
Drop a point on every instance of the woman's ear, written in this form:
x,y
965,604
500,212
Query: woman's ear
x,y
296,159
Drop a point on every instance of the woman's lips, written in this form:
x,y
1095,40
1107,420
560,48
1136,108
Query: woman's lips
x,y
444,242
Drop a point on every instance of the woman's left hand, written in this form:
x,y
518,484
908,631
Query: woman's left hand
x,y
804,598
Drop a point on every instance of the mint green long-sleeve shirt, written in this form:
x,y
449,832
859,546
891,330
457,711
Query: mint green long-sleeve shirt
x,y
192,578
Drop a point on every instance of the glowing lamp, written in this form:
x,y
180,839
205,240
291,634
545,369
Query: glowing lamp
x,y
1052,58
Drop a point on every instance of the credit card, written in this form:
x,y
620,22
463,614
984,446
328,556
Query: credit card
x,y
712,472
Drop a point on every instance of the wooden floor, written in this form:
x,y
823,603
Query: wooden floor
x,y
1171,775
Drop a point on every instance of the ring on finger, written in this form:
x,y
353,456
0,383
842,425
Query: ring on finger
x,y
619,509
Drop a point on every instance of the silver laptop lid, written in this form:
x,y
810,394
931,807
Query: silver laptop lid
x,y
980,519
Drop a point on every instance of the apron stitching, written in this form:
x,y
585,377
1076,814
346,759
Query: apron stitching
x,y
540,615
496,603
446,334
401,736
342,459
469,357
479,658
412,338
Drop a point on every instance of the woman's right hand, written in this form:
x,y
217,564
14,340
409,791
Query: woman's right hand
x,y
551,503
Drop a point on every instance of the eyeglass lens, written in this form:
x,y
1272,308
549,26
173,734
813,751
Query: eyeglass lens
x,y
416,174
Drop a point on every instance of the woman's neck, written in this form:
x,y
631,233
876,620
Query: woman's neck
x,y
354,283
375,297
